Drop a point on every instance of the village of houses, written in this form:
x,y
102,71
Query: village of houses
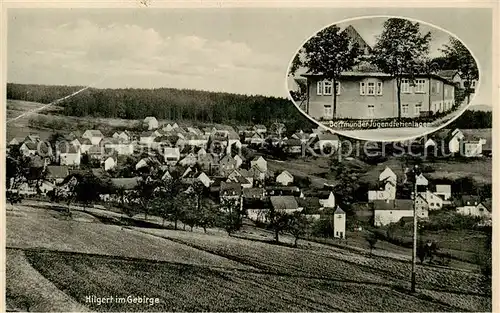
x,y
206,155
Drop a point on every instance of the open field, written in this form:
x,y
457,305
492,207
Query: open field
x,y
192,271
479,169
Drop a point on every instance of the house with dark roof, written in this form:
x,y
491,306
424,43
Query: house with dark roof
x,y
326,142
68,154
56,174
473,206
253,193
286,204
231,191
283,190
310,207
292,146
244,182
41,148
226,165
457,77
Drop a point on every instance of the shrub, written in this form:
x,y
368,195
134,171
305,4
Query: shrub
x,y
322,228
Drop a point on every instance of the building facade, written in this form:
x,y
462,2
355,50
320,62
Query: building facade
x,y
373,95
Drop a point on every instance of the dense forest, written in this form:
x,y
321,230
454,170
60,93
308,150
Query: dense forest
x,y
473,120
165,103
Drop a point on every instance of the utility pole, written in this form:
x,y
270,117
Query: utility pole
x,y
414,254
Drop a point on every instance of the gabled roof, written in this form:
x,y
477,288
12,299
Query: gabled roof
x,y
56,171
125,183
328,136
309,203
443,189
84,141
300,135
339,211
65,148
245,173
448,74
380,74
30,145
293,142
147,134
392,205
227,159
95,133
149,118
240,180
287,173
228,189
284,202
488,204
467,200
253,192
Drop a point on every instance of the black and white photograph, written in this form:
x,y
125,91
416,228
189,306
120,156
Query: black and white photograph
x,y
168,159
386,78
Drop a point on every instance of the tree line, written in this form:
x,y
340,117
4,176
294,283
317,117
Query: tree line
x,y
164,103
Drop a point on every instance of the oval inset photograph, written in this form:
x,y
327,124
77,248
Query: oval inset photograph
x,y
383,78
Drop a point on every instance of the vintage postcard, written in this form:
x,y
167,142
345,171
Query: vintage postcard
x,y
249,157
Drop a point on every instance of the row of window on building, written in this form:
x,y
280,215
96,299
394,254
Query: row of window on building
x,y
325,87
439,106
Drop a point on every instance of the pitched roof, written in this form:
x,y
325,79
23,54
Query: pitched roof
x,y
126,183
448,74
240,180
285,172
30,145
56,171
443,188
227,159
95,133
284,202
328,136
253,192
488,204
149,118
391,205
67,148
380,74
293,142
339,211
147,134
230,188
467,200
309,203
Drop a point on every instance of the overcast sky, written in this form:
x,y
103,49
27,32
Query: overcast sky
x,y
371,28
232,50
